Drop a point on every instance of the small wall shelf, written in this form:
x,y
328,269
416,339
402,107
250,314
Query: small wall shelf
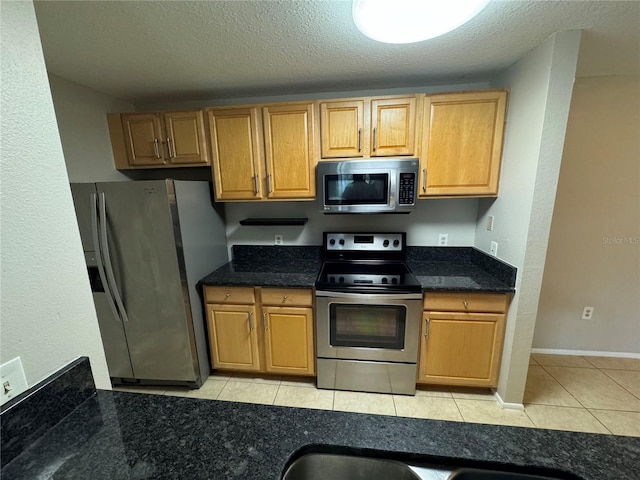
x,y
273,221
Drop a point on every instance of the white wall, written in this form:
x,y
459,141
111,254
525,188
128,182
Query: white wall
x,y
47,311
540,93
594,248
456,217
82,121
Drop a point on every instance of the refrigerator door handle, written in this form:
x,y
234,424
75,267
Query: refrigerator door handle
x,y
96,243
107,257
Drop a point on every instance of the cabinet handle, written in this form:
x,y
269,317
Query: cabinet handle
x,y
426,329
228,295
284,298
171,148
155,147
251,321
264,321
268,183
359,139
466,304
424,179
256,184
374,138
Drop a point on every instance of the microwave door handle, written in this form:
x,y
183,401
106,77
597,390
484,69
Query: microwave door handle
x,y
96,243
107,258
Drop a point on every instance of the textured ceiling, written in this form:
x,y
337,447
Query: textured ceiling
x,y
138,50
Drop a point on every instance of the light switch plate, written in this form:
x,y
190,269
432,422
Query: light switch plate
x,y
12,380
494,249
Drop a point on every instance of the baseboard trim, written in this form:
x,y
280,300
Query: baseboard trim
x,y
507,405
589,353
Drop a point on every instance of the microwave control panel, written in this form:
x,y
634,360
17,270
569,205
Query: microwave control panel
x,y
407,188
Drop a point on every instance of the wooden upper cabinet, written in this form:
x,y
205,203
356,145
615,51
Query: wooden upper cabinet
x,y
237,155
290,150
462,143
185,138
368,127
393,126
143,139
342,129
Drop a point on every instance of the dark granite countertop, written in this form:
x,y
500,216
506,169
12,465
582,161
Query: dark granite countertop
x,y
116,435
462,269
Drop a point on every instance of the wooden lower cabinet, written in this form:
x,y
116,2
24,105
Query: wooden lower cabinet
x,y
460,347
274,335
233,337
288,340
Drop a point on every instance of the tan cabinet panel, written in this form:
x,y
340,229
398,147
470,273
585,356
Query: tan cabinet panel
x,y
462,143
229,295
185,140
461,348
290,150
236,149
466,302
342,129
143,139
281,297
233,337
393,126
288,338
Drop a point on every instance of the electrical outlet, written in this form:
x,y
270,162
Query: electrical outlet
x,y
494,249
490,223
278,239
587,313
443,238
12,380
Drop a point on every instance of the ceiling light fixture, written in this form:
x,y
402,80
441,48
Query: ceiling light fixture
x,y
409,21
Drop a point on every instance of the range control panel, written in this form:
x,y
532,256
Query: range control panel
x,y
364,242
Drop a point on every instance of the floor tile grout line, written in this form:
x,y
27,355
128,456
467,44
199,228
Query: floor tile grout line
x,y
563,387
617,382
455,401
598,420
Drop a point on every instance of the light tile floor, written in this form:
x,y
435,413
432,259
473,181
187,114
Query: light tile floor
x,y
582,394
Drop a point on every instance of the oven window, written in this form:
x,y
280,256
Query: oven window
x,y
356,189
374,326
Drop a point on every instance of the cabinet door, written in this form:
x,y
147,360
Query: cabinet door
x,y
289,132
342,129
393,127
461,348
462,143
143,139
233,338
289,340
185,140
236,149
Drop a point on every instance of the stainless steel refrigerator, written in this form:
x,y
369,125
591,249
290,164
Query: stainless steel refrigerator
x,y
147,243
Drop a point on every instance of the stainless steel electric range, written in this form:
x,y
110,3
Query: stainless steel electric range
x,y
368,309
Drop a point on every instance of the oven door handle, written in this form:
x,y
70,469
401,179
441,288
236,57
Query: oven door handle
x,y
371,296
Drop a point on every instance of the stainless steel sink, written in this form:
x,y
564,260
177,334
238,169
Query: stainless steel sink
x,y
323,465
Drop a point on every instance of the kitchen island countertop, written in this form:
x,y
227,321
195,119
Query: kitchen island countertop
x,y
117,435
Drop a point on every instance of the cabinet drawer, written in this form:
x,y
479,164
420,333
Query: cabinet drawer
x,y
229,295
466,302
287,296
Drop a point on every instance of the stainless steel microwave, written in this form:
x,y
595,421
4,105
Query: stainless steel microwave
x,y
368,186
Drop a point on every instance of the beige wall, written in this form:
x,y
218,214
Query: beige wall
x,y
47,312
82,122
594,248
540,87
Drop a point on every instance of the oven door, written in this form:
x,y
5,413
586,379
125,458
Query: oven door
x,y
378,327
